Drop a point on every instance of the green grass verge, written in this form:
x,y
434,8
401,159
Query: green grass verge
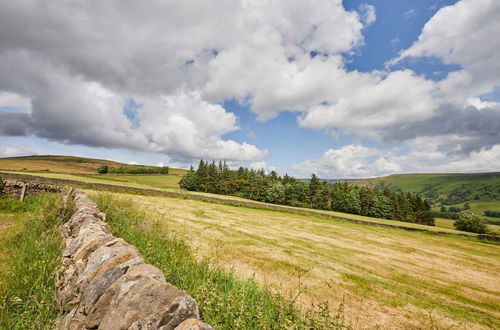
x,y
9,204
225,301
27,292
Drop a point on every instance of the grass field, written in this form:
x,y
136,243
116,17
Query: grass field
x,y
150,181
447,223
225,301
84,169
385,278
30,248
9,225
58,164
62,164
170,183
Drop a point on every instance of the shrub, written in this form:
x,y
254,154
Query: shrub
x,y
1,184
471,223
490,213
139,169
425,218
103,169
189,181
446,215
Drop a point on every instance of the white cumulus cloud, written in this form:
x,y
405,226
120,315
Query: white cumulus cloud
x,y
350,161
79,63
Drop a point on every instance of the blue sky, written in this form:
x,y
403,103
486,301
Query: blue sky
x,y
341,89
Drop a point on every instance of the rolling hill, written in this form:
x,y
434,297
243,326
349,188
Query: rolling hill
x,y
57,164
85,170
65,164
481,191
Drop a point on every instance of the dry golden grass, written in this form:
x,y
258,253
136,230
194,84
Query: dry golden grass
x,y
42,165
150,181
63,164
170,182
448,223
387,278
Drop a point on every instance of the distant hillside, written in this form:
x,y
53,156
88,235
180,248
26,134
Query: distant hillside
x,y
62,164
480,190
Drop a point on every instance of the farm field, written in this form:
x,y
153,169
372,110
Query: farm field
x,y
63,164
170,183
161,181
150,181
60,164
382,277
448,223
84,170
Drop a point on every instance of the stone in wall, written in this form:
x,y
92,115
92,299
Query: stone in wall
x,y
104,283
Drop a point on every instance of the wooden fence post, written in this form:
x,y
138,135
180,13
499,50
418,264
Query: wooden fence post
x,y
23,192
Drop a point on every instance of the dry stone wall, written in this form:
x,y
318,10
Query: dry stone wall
x,y
16,187
104,283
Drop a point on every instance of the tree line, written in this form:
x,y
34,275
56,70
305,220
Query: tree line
x,y
133,169
490,213
315,193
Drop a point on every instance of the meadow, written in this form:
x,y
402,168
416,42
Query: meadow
x,y
65,164
378,277
30,248
170,183
60,164
150,181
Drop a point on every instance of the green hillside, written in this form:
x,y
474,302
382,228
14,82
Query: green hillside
x,y
481,191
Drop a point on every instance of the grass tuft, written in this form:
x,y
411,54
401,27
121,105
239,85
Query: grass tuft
x,y
9,204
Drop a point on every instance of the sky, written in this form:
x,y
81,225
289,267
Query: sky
x,y
343,89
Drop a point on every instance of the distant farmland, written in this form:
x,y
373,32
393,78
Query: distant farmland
x,y
481,191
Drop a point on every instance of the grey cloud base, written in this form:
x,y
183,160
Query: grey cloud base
x,y
15,124
479,127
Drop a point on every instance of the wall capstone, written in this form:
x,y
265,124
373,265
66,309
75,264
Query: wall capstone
x,y
104,283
